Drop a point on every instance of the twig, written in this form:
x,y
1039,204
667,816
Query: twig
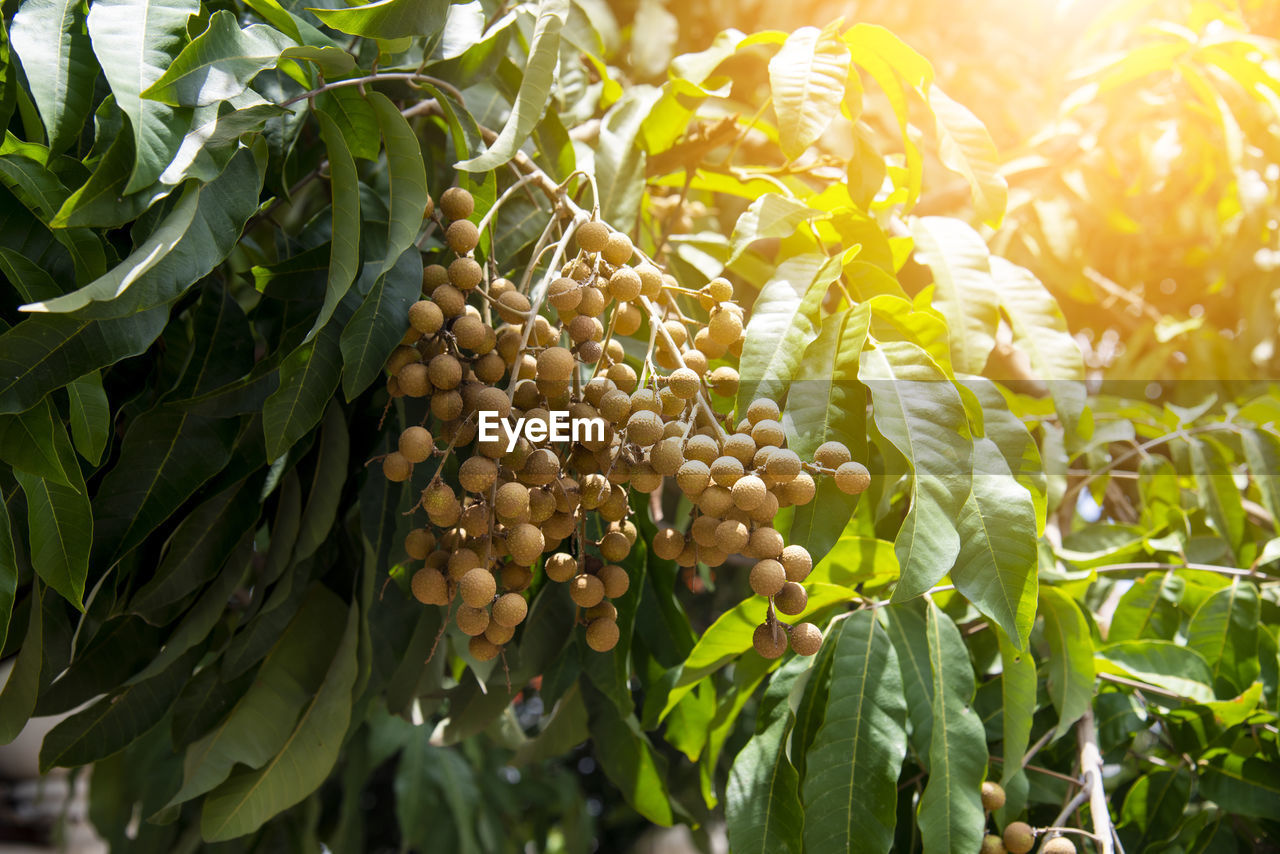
x,y
1091,772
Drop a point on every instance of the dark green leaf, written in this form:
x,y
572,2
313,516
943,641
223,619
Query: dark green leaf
x,y
90,416
57,59
344,250
29,442
326,488
388,19
379,323
1070,656
61,526
406,180
1225,631
18,699
627,757
218,64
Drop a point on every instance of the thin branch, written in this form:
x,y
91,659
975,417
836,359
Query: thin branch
x,y
1091,771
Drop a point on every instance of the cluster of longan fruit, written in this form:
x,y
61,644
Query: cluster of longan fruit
x,y
1019,837
477,343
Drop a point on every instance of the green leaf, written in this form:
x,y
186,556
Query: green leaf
x,y
18,699
1148,609
406,178
388,19
807,81
1156,803
61,526
1161,663
1216,491
965,293
1241,785
850,784
29,442
195,237
965,147
90,416
326,488
113,722
219,63
1040,331
826,403
1017,711
8,571
1070,664
1225,631
996,568
164,458
309,376
951,817
784,321
354,117
135,42
763,811
1262,453
626,756
771,215
344,249
535,89
920,412
379,323
57,59
45,352
263,721
250,797
619,158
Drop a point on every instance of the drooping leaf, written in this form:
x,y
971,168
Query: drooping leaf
x,y
30,441
917,409
406,179
966,295
965,146
1070,662
250,797
620,160
1244,785
1148,609
1161,663
627,757
388,19
850,784
1017,711
379,323
135,41
58,62
61,529
1155,804
354,117
326,488
996,567
1216,491
219,63
1225,631
90,416
344,249
807,80
784,320
535,88
771,215
8,571
18,697
196,236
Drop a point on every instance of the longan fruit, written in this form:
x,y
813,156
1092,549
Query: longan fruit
x,y
782,465
644,427
765,543
715,501
726,471
497,634
768,432
749,492
465,273
592,236
555,363
591,302
650,280
457,203
763,409
703,341
396,467
615,546
832,455
478,587
992,844
623,376
470,333
992,796
461,562
701,448
615,579
483,649
525,542
429,587
462,236
791,599
1058,845
769,640
617,249
414,380
725,327
472,621
720,289
667,456
741,447
418,543
433,276
450,300
426,317
604,609
723,381
509,610
806,638
797,561
586,590
767,577
559,526
624,284
602,634
444,371
668,543
540,467
416,444
798,491
852,478
560,566
693,476
1019,838
564,294
732,536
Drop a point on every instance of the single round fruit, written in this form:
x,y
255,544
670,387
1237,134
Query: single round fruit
x,y
852,478
416,444
478,587
992,796
668,543
1058,845
618,249
462,236
615,545
510,610
456,203
592,236
602,634
992,844
498,634
797,561
429,587
586,590
472,621
763,410
426,317
418,543
615,580
556,364
396,467
465,273
525,542
560,566
483,649
1019,838
767,577
806,638
685,383
831,455
770,640
749,492
791,599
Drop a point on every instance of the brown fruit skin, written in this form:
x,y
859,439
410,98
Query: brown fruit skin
x,y
1019,838
456,203
472,621
586,591
615,579
852,478
592,236
992,796
769,641
797,561
560,566
396,467
462,236
510,610
429,587
478,587
426,317
767,578
831,455
1058,845
416,444
806,638
791,599
602,634
483,649
992,844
